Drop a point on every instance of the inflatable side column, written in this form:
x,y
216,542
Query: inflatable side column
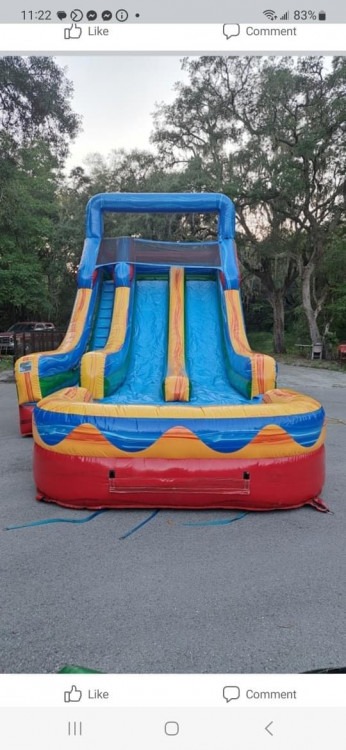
x,y
103,371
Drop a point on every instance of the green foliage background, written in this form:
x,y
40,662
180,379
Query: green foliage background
x,y
268,132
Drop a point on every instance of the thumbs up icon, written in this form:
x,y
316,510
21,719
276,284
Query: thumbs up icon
x,y
73,695
73,31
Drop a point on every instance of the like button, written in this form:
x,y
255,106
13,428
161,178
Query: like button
x,y
73,695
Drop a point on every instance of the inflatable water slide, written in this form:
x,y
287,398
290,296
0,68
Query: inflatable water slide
x,y
154,398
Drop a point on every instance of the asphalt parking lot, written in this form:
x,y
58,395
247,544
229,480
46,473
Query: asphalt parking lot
x,y
264,594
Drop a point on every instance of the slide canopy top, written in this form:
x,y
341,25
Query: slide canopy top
x,y
160,203
148,252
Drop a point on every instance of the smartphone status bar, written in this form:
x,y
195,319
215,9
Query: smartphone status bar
x,y
181,11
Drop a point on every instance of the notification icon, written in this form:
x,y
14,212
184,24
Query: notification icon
x,y
76,15
121,15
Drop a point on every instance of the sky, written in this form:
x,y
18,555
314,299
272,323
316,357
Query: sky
x,y
116,97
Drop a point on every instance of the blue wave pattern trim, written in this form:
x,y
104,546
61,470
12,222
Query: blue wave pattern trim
x,y
223,435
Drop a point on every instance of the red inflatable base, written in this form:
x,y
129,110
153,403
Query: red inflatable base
x,y
264,484
25,418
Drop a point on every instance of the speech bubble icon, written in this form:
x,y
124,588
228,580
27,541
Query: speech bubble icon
x,y
231,29
231,693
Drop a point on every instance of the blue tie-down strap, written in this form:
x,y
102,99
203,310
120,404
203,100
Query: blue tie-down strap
x,y
217,521
139,525
46,521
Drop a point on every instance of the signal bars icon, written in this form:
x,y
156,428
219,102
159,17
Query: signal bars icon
x,y
271,15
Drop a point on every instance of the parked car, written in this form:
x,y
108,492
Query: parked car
x,y
342,351
20,335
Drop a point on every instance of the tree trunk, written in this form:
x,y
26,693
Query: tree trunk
x,y
276,300
307,306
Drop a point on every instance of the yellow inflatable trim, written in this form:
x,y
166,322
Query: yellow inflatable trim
x,y
93,363
28,383
77,400
263,367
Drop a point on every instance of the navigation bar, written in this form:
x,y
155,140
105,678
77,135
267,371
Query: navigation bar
x,y
161,690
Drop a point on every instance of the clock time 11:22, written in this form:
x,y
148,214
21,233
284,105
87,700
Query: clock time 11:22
x,y
36,15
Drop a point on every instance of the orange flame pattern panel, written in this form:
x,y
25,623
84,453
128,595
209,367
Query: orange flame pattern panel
x,y
28,381
177,385
262,366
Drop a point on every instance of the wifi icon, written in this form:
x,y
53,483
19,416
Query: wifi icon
x,y
270,14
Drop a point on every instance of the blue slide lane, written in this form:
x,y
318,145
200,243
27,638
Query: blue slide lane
x,y
148,355
103,316
205,348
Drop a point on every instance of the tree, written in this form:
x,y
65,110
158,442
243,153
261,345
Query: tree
x,y
35,98
27,215
333,276
132,171
36,125
271,134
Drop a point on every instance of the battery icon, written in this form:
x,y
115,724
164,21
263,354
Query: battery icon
x,y
322,15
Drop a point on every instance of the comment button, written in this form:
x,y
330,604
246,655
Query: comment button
x,y
231,29
231,693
